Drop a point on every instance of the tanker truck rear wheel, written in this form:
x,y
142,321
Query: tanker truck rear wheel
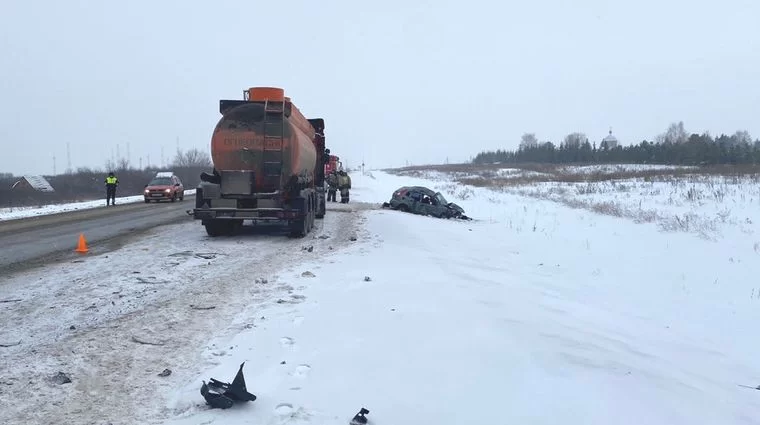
x,y
298,228
320,210
199,197
310,222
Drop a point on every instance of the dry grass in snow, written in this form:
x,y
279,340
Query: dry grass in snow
x,y
711,202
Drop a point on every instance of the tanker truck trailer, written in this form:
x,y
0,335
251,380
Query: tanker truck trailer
x,y
268,164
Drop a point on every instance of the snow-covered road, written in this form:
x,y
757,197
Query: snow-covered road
x,y
532,313
96,318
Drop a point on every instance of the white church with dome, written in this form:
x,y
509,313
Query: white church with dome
x,y
609,142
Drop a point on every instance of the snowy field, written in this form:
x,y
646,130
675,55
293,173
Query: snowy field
x,y
493,174
535,312
710,206
618,168
24,212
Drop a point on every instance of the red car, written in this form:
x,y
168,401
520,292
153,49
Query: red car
x,y
166,187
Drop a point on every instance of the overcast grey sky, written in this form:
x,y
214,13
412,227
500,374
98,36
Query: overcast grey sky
x,y
395,80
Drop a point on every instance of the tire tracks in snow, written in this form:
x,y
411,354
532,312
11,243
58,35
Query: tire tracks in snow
x,y
115,380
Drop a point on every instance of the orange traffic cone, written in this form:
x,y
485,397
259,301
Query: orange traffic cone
x,y
82,245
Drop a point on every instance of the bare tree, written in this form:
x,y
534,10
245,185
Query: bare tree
x,y
87,171
675,134
575,140
528,140
742,137
123,164
110,166
192,158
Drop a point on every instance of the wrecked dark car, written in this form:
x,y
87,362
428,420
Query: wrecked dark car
x,y
423,201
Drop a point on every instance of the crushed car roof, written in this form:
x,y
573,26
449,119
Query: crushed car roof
x,y
420,188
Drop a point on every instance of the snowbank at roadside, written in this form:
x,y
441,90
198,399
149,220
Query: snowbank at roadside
x,y
11,213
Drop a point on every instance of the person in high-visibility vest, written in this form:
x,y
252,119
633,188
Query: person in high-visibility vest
x,y
111,184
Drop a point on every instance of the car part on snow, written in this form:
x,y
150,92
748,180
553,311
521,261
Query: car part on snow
x,y
222,395
360,419
747,386
60,378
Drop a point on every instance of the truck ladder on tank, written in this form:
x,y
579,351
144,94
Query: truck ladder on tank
x,y
274,132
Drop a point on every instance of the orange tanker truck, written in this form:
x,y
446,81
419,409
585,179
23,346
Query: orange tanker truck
x,y
268,166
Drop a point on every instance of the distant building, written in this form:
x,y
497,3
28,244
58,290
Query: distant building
x,y
37,183
609,142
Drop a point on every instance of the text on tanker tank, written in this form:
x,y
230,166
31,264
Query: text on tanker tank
x,y
254,142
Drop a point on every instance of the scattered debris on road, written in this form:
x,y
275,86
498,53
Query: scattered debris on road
x,y
165,372
145,342
222,395
203,255
150,280
9,344
201,307
367,279
60,378
15,300
307,274
207,255
360,419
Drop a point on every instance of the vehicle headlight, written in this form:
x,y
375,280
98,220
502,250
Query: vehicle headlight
x,y
147,191
168,190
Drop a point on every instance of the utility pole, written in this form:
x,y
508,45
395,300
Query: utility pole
x,y
54,165
129,157
162,157
141,164
68,159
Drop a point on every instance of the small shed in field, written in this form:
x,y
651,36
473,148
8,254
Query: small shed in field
x,y
38,183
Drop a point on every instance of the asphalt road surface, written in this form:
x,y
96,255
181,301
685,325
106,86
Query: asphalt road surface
x,y
32,241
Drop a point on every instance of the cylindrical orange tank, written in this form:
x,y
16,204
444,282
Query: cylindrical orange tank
x,y
277,147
